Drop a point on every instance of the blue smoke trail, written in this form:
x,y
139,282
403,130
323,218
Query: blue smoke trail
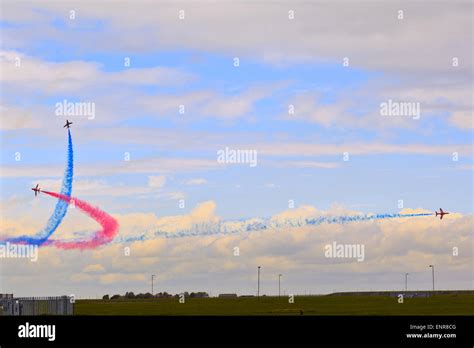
x,y
61,206
254,225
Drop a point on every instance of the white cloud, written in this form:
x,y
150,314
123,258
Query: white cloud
x,y
156,181
306,164
135,166
320,31
94,268
14,117
305,149
208,103
51,77
463,119
196,182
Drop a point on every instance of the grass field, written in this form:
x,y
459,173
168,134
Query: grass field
x,y
310,305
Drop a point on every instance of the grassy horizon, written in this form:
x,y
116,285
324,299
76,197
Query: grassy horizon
x,y
309,305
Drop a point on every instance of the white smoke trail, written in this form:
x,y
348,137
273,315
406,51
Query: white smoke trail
x,y
254,225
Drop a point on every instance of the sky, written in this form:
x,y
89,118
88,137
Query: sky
x,y
305,96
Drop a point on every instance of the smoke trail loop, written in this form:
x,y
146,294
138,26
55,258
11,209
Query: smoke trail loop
x,y
105,235
60,209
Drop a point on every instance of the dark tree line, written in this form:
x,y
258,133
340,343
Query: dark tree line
x,y
131,295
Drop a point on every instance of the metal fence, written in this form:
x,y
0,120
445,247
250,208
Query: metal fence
x,y
60,305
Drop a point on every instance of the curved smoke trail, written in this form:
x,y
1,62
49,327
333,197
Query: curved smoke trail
x,y
61,206
255,225
108,223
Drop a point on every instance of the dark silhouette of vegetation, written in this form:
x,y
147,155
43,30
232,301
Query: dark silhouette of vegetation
x,y
131,295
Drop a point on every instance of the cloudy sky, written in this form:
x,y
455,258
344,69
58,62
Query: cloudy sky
x,y
299,83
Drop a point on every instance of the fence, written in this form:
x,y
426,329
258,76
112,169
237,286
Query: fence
x,y
60,305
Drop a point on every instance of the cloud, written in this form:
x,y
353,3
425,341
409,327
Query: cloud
x,y
362,149
462,119
135,166
156,181
17,227
229,107
109,278
208,103
100,187
94,268
195,182
307,149
307,108
306,164
51,77
18,118
146,224
360,109
381,43
319,31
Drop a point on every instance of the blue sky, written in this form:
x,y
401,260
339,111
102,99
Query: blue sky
x,y
300,156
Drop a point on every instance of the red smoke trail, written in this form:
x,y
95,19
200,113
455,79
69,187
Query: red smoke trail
x,y
108,223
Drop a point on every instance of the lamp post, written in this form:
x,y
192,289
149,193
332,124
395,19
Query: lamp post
x,y
152,277
258,284
279,282
406,281
432,273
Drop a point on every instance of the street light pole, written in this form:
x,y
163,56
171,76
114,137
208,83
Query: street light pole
x,y
406,281
279,277
152,276
432,273
258,283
